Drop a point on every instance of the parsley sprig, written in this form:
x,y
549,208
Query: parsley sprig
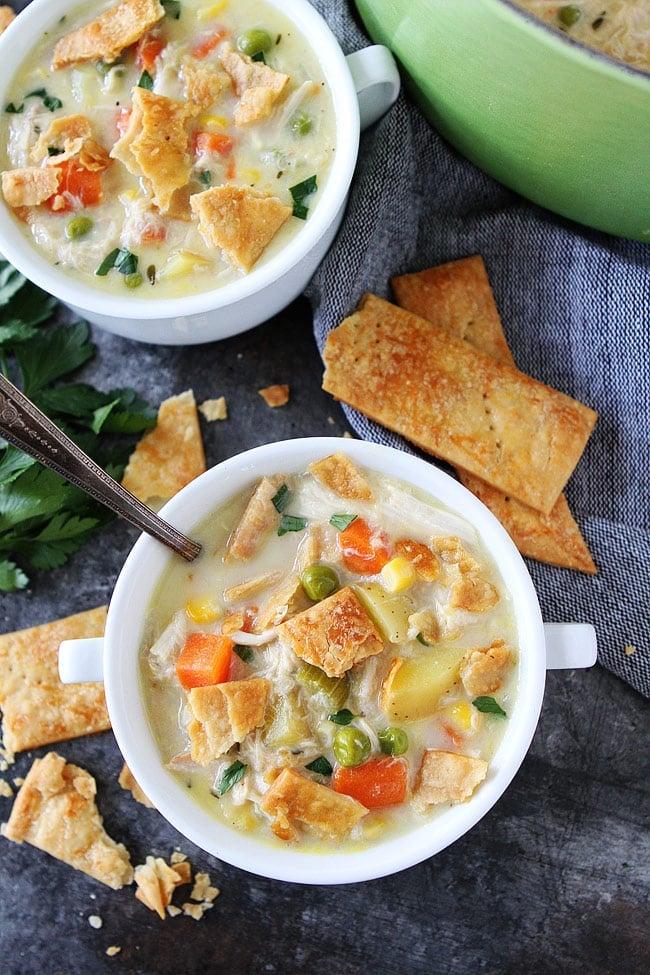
x,y
43,518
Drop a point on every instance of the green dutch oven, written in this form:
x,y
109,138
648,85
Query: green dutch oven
x,y
565,126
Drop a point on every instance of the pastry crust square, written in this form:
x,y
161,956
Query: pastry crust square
x,y
258,86
446,777
334,634
105,38
55,811
294,798
169,456
458,296
38,709
156,146
341,475
29,186
223,714
239,221
416,378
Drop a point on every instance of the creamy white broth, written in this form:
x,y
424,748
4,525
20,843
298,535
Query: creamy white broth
x,y
270,155
455,725
619,28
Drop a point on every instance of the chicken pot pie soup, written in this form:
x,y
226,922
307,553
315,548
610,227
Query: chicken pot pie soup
x,y
338,666
167,148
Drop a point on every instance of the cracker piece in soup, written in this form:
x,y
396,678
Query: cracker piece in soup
x,y
446,777
223,714
257,85
105,38
334,634
341,475
483,669
293,797
259,517
29,186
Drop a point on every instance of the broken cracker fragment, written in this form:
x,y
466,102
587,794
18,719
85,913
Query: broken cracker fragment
x,y
274,396
55,811
446,777
169,456
214,409
29,186
341,475
293,800
156,882
257,86
7,15
127,780
104,38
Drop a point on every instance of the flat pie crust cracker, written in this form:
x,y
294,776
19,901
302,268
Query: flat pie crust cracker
x,y
458,296
105,38
38,709
55,811
473,411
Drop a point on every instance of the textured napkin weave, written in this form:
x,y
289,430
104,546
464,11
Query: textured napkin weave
x,y
575,305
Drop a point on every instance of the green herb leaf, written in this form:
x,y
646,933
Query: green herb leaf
x,y
53,353
341,522
51,102
121,259
321,766
425,643
343,717
205,177
172,8
488,705
11,281
281,498
233,774
299,194
145,81
11,577
244,653
12,109
291,523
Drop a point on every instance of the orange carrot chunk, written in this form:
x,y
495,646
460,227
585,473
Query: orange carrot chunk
x,y
213,142
148,49
205,659
78,187
364,549
376,783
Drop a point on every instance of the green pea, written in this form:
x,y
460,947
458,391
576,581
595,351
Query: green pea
x,y
393,741
351,746
133,280
78,227
301,123
319,581
254,41
569,14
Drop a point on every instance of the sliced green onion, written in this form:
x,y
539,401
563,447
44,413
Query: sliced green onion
x,y
320,765
172,8
291,523
299,194
341,522
244,653
145,81
281,498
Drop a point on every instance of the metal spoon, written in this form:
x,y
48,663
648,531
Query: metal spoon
x,y
25,426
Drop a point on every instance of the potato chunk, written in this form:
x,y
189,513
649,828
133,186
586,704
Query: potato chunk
x,y
412,688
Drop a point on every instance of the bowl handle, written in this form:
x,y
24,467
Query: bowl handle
x,y
81,661
376,79
569,645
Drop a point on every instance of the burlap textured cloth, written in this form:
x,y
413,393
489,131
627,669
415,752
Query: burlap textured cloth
x,y
575,306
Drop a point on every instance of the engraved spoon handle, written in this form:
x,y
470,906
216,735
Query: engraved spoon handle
x,y
25,426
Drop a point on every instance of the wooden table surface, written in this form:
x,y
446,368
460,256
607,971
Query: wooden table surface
x,y
553,879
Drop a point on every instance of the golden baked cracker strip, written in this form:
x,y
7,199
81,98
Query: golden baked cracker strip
x,y
169,456
341,475
29,186
223,714
55,811
416,378
105,38
59,132
6,17
239,221
37,708
156,145
458,296
294,799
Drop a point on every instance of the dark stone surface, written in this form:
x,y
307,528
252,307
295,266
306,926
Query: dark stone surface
x,y
553,879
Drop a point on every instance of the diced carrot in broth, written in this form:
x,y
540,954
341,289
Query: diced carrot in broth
x,y
204,659
122,119
364,549
215,142
205,45
376,783
149,48
78,187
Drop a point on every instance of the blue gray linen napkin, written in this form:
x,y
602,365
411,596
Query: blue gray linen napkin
x,y
575,305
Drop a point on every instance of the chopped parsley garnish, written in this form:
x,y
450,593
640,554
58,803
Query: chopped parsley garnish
x,y
420,639
50,102
487,705
343,717
281,498
244,653
43,518
145,81
321,766
341,522
172,8
120,259
291,523
299,194
233,774
205,177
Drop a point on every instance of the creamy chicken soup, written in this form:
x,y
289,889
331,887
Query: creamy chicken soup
x,y
620,28
167,148
339,664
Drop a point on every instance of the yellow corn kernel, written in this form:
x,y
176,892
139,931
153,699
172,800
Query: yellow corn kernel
x,y
127,195
213,10
461,715
210,123
398,574
203,609
249,175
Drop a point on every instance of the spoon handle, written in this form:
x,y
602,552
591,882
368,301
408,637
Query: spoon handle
x,y
25,426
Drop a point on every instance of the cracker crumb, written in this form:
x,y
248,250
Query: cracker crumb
x,y
95,921
173,911
214,409
195,910
5,789
202,890
177,857
113,950
18,781
274,396
629,650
